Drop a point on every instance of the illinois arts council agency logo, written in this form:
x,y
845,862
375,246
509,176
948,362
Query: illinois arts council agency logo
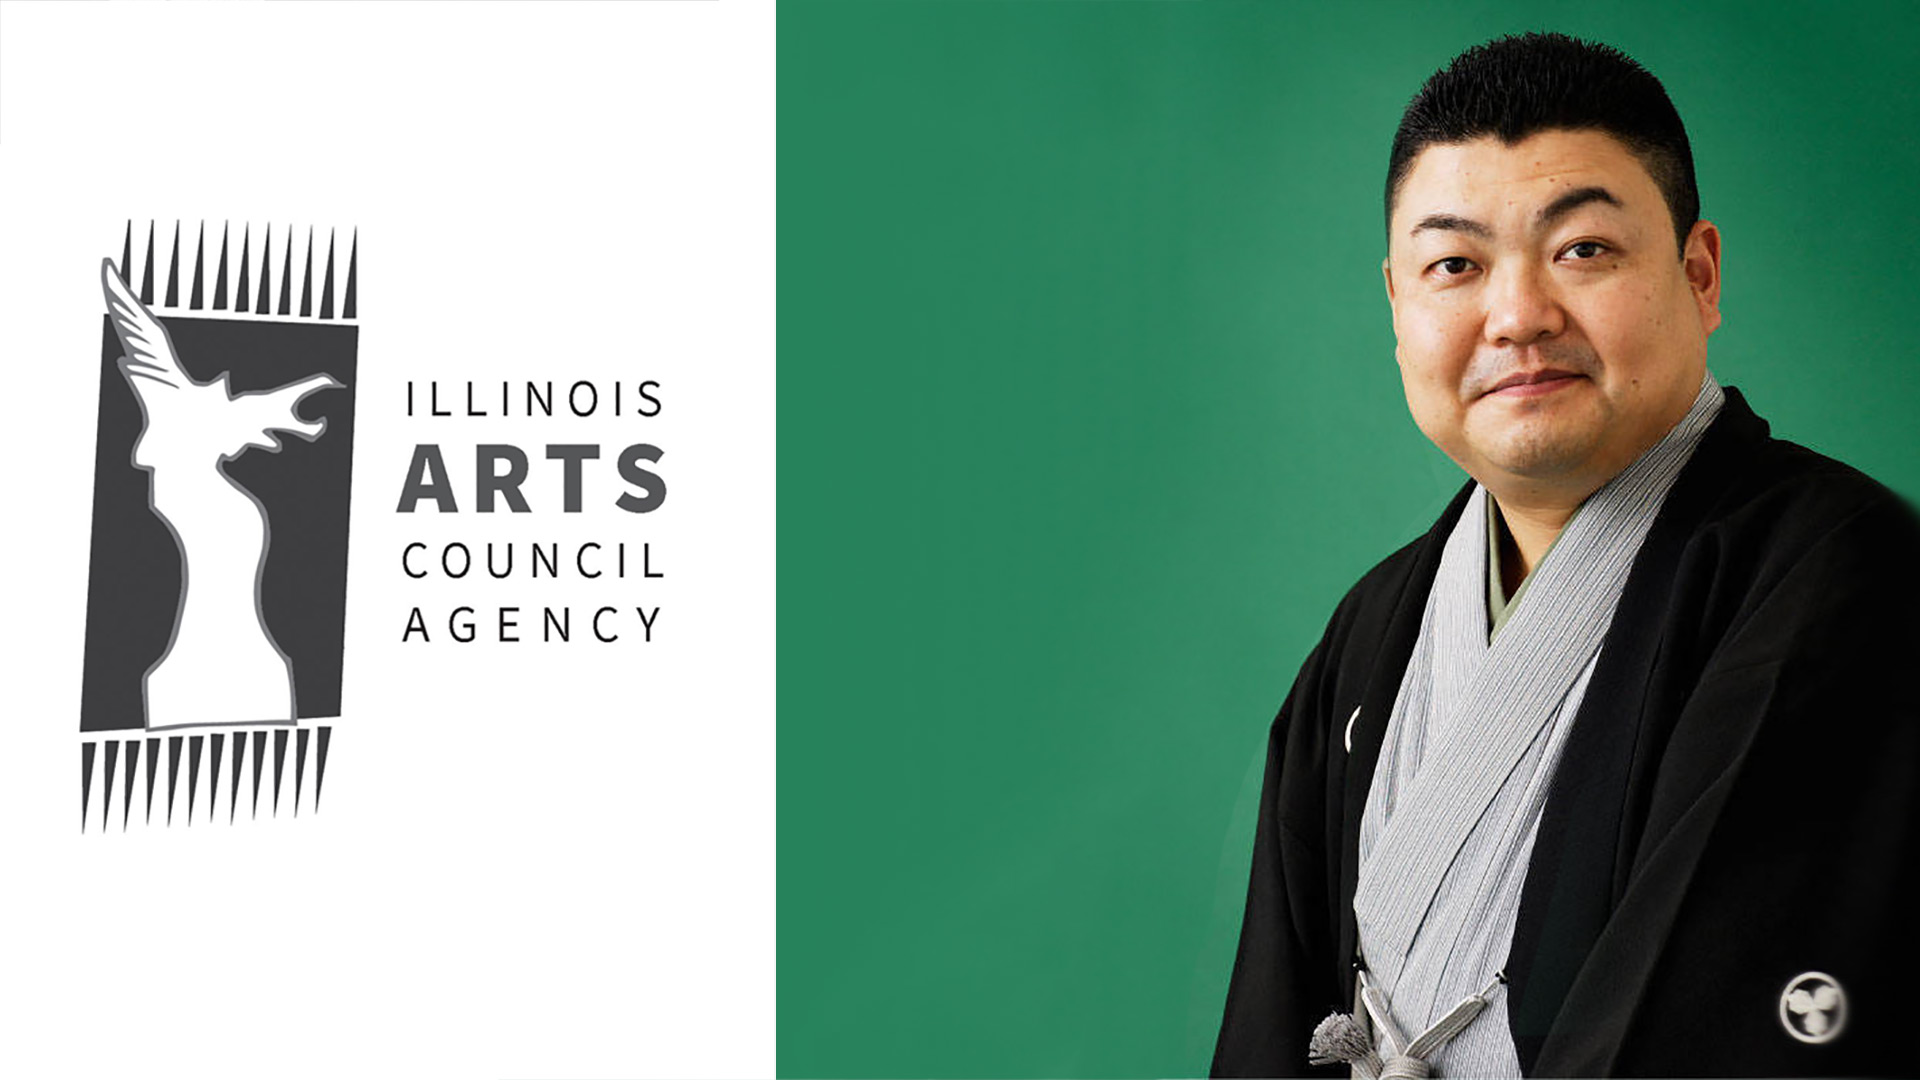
x,y
216,583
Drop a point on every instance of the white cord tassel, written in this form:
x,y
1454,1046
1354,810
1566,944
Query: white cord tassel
x,y
1341,1039
1338,1039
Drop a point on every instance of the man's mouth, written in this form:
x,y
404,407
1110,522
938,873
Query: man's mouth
x,y
1533,383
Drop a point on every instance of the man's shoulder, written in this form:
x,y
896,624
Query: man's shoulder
x,y
1781,503
1769,552
1389,575
1402,577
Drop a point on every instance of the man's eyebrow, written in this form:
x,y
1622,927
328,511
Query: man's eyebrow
x,y
1452,223
1573,200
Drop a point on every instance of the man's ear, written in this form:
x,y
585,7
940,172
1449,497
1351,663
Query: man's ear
x,y
1386,271
1701,261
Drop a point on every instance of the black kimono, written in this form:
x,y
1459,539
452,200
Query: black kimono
x,y
1737,804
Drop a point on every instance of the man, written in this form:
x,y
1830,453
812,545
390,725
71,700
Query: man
x,y
1613,771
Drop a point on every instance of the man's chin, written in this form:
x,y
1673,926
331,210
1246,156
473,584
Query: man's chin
x,y
1545,456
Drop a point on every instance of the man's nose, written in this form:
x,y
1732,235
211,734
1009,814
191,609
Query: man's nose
x,y
1521,306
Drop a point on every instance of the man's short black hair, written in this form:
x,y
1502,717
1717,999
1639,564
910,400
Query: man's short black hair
x,y
1515,86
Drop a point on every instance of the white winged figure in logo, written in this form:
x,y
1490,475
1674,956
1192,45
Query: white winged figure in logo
x,y
221,665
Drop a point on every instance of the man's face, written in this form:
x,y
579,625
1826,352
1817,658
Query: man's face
x,y
1548,330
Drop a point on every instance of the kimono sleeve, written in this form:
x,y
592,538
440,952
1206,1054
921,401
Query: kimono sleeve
x,y
1283,975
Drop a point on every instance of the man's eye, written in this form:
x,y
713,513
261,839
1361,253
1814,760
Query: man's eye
x,y
1453,266
1586,249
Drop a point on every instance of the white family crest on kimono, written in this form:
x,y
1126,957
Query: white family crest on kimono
x,y
1813,1007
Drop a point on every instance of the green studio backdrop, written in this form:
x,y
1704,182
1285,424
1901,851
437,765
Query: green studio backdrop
x,y
1089,415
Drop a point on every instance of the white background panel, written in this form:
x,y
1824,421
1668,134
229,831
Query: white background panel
x,y
531,859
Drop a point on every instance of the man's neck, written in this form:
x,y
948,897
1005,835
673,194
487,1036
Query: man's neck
x,y
1531,528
